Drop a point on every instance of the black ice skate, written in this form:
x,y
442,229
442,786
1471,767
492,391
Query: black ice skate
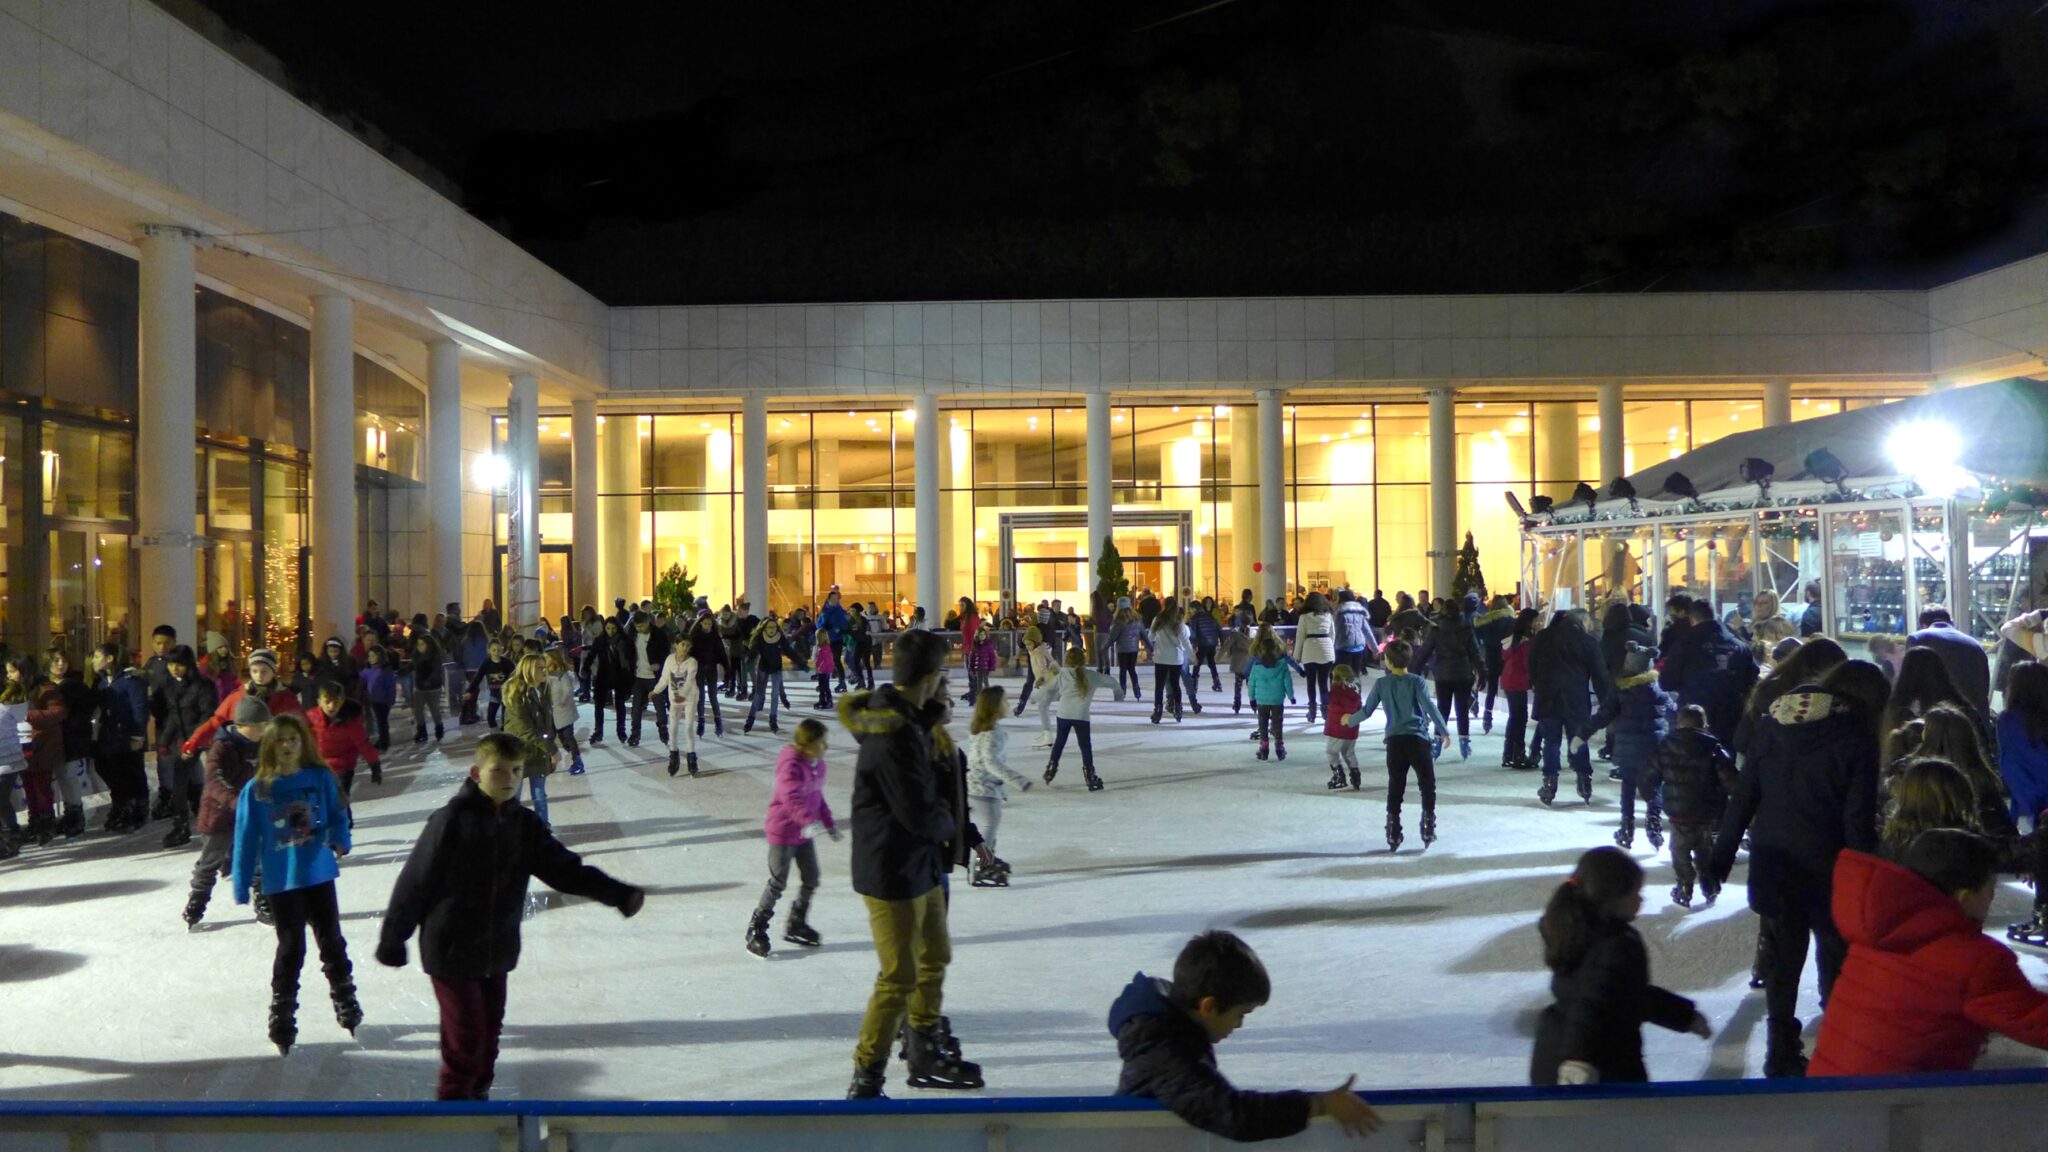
x,y
1681,895
797,929
1547,791
179,835
990,876
72,823
1784,1051
935,1061
195,910
1094,781
1336,778
1393,832
341,989
867,1083
1279,750
284,1027
693,763
262,905
1586,787
675,761
1265,751
1354,779
1428,829
1051,770
1625,837
2033,933
757,935
1653,828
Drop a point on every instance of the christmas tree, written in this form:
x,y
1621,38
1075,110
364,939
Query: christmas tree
x,y
1467,577
675,593
1109,575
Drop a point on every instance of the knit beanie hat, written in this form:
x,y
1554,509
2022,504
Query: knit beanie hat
x,y
1636,661
264,656
252,711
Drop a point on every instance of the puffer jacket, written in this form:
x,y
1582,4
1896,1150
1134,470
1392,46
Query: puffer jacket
x,y
1922,986
1269,683
1315,638
183,705
1638,716
1713,669
1354,628
1807,791
230,763
1343,700
988,769
530,716
900,827
799,799
1564,663
342,738
1455,649
1167,1056
1514,667
1126,636
1602,1005
1696,773
1203,626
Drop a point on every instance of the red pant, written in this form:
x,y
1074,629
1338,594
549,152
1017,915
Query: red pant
x,y
35,785
472,1016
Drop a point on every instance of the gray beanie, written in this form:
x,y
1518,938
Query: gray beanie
x,y
251,711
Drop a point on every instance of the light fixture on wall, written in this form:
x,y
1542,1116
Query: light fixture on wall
x,y
492,471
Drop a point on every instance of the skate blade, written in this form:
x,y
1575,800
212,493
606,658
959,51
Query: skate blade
x,y
940,1084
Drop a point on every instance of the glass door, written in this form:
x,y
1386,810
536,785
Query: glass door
x,y
87,592
556,590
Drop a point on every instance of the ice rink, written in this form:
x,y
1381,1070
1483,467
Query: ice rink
x,y
1419,969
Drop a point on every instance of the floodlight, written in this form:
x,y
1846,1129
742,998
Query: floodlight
x,y
1927,451
1515,506
493,471
1757,471
1621,489
1827,468
1677,484
1586,494
1541,505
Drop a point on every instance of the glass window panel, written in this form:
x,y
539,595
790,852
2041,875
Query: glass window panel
x,y
1930,559
1070,446
1123,436
1792,560
1567,445
1807,408
557,458
1013,447
1401,443
1229,424
229,479
789,453
1332,445
88,472
1713,419
692,453
1653,431
855,449
1867,562
792,560
1403,524
1334,535
390,413
1494,444
2008,553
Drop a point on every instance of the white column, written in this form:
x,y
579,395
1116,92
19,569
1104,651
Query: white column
x,y
924,444
166,508
623,567
444,471
1557,448
333,532
1777,403
1443,488
1101,511
522,444
1244,501
583,524
754,499
1272,496
1613,429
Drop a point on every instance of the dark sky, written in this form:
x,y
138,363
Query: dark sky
x,y
695,152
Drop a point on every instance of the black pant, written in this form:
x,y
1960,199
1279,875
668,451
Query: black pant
x,y
707,701
1318,676
1236,691
127,781
1127,670
1489,682
1206,655
1788,942
1165,679
1405,753
1269,724
1024,696
1459,692
1518,721
293,911
643,687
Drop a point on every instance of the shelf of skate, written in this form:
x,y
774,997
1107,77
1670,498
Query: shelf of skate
x,y
1995,1109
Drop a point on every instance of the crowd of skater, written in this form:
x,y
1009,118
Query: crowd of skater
x,y
1878,800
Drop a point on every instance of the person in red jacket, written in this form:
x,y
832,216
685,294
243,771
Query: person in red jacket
x,y
263,684
1515,683
1923,985
342,737
1341,738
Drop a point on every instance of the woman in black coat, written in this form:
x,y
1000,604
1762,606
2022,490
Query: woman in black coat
x,y
1566,673
611,680
1808,789
708,649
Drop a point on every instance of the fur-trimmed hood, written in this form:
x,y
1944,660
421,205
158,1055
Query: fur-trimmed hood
x,y
1638,680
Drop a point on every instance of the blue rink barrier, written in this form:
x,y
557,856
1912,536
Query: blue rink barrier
x,y
1966,1112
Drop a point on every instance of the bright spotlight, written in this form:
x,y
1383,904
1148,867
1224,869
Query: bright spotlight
x,y
1928,451
493,471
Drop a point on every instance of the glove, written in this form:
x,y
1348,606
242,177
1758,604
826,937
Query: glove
x,y
814,829
635,899
1577,1072
391,954
835,834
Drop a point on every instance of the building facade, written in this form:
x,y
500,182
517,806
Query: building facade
x,y
255,375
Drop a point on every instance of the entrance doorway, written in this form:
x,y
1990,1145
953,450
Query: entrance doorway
x,y
88,590
557,590
1045,554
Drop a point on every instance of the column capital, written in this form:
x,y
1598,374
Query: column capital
x,y
192,236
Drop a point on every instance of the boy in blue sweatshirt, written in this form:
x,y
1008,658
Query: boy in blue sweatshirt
x,y
1166,1035
1410,716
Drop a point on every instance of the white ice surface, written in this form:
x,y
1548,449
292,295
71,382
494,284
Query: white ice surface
x,y
1413,970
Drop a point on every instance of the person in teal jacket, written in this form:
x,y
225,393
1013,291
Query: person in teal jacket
x,y
1411,715
1269,684
293,824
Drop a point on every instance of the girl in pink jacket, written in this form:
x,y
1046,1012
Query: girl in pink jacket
x,y
797,813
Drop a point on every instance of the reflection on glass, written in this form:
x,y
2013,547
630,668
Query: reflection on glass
x,y
1867,565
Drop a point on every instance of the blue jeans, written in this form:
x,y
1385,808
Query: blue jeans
x,y
1080,729
1551,734
540,796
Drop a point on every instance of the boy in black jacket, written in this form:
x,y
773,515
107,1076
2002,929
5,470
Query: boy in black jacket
x,y
1166,1035
1695,774
464,888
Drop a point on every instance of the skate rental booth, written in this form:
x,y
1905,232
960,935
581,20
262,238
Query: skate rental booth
x,y
1881,512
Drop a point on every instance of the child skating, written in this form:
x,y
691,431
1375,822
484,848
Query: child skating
x,y
1071,696
988,778
822,667
679,677
797,815
1411,715
1339,738
230,765
1635,717
292,823
562,701
1693,774
1269,685
464,890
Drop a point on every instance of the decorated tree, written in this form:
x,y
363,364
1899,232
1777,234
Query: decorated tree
x,y
1110,584
1467,577
675,592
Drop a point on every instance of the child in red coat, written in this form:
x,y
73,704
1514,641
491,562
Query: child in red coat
x,y
1922,985
1340,738
342,737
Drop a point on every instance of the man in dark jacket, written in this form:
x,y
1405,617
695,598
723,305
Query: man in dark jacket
x,y
464,889
905,822
1960,653
1677,622
1166,1035
120,733
1379,611
184,703
1713,669
1564,666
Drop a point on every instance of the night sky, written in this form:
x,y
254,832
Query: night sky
x,y
696,153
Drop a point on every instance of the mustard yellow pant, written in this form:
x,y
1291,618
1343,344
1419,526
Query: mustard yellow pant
x,y
914,949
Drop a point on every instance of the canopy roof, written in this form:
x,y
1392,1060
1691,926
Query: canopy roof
x,y
2003,427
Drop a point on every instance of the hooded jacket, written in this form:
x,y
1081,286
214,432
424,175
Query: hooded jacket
x,y
799,799
1167,1056
600,663
230,762
1602,1005
1354,627
1269,683
530,716
988,769
900,829
464,886
1713,669
342,739
1563,662
1807,791
423,670
181,707
1493,627
1455,647
1236,651
1637,716
281,700
1514,667
1922,985
1696,773
122,702
1204,627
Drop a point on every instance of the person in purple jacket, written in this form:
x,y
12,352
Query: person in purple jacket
x,y
380,691
796,814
